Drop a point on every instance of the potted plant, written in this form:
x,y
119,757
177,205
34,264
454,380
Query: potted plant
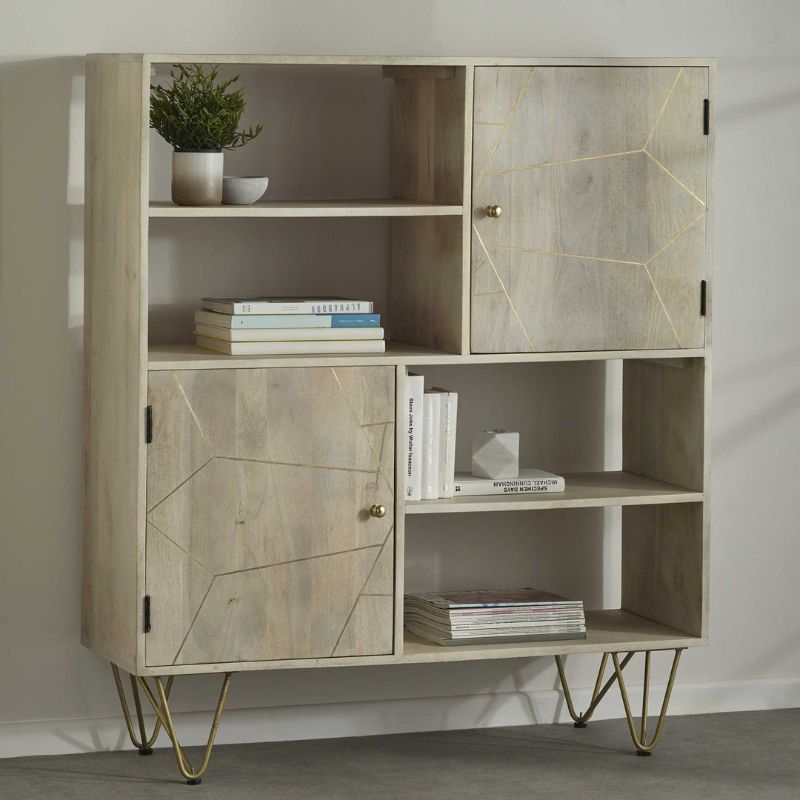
x,y
199,116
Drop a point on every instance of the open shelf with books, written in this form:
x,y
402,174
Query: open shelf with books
x,y
609,629
583,490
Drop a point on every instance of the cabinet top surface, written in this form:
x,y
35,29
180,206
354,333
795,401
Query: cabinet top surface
x,y
394,60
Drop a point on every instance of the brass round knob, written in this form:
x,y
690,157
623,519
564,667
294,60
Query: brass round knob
x,y
377,510
493,211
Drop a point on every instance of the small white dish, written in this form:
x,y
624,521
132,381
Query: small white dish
x,y
242,191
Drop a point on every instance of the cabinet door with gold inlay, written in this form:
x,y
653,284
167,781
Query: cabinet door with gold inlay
x,y
260,541
589,208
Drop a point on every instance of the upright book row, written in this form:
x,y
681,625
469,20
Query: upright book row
x,y
431,440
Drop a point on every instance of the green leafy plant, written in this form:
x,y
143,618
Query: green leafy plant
x,y
197,112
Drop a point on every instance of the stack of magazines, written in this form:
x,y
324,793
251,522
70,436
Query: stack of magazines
x,y
479,616
276,325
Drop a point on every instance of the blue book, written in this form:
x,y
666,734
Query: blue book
x,y
287,320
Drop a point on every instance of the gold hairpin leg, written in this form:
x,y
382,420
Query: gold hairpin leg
x,y
141,742
598,693
643,747
161,708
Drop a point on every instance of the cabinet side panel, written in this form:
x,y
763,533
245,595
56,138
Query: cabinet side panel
x,y
664,565
113,352
663,420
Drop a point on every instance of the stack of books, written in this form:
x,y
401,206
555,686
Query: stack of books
x,y
431,418
285,325
480,616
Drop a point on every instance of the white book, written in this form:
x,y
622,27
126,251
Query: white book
x,y
288,348
287,334
530,481
432,411
447,441
287,305
415,386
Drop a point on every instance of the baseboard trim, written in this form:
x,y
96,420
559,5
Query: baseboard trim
x,y
541,706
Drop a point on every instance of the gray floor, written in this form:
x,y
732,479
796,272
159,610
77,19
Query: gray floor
x,y
753,755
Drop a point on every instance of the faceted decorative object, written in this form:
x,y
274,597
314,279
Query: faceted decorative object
x,y
495,455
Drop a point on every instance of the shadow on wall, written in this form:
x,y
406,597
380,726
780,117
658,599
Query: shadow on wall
x,y
41,399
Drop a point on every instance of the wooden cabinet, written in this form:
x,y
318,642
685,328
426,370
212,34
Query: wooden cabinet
x,y
240,536
260,544
600,175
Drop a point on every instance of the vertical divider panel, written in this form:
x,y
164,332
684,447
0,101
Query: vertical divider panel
x,y
665,548
429,153
401,426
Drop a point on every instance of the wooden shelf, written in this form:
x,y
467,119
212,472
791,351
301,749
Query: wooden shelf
x,y
584,490
312,208
189,356
606,630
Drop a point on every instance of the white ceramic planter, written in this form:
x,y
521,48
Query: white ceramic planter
x,y
197,177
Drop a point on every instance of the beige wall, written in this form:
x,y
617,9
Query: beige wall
x,y
755,652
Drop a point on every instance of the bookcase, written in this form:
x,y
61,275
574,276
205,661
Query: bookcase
x,y
533,226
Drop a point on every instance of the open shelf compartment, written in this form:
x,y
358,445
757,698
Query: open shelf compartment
x,y
608,630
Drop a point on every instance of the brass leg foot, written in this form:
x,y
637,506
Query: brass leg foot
x,y
141,742
644,747
161,708
599,692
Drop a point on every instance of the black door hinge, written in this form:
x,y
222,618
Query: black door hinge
x,y
702,298
706,115
148,424
147,613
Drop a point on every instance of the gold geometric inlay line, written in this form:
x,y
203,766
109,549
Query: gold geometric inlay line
x,y
663,306
363,586
358,423
676,236
297,560
503,286
182,483
290,464
194,416
505,124
179,547
674,177
194,619
495,124
562,255
663,107
487,294
541,164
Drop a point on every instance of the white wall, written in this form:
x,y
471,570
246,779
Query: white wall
x,y
56,696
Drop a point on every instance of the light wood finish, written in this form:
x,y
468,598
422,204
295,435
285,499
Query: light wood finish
x,y
665,566
610,629
260,544
187,356
429,61
428,154
425,301
115,358
312,208
599,245
665,541
662,422
584,490
417,73
401,453
606,630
